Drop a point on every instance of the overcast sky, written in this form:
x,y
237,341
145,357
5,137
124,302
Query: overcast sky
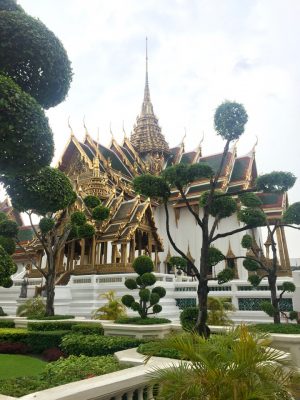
x,y
200,53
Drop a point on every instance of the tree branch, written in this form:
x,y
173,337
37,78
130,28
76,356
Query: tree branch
x,y
196,216
37,234
190,264
262,266
216,221
290,226
222,235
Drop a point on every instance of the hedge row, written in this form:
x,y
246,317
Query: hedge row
x,y
87,328
279,328
35,342
53,317
7,324
95,345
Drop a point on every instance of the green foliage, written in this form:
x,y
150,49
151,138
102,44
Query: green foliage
x,y
32,308
100,213
9,228
8,244
151,186
3,216
50,190
254,280
214,256
267,307
26,140
131,284
293,315
238,365
127,300
276,182
218,311
18,387
91,201
188,318
253,217
7,268
75,368
180,175
10,5
250,264
46,225
148,279
142,321
50,326
292,214
226,275
247,241
142,264
157,308
250,200
150,349
96,345
112,310
161,291
86,231
288,287
145,294
230,119
52,317
78,218
7,324
34,58
13,335
88,328
40,341
178,262
221,206
278,328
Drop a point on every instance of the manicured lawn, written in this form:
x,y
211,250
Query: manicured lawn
x,y
13,366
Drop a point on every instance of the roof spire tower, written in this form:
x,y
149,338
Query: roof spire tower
x,y
146,136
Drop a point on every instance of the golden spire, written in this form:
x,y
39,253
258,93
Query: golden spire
x,y
69,125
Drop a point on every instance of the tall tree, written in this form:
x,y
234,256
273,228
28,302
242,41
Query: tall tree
x,y
230,119
49,193
35,73
260,266
8,235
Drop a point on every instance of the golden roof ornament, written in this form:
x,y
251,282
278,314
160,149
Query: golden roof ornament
x,y
146,136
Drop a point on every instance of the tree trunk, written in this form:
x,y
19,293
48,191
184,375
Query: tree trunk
x,y
50,285
202,291
275,302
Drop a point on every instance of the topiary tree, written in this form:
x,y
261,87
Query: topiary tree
x,y
8,237
49,193
149,299
35,73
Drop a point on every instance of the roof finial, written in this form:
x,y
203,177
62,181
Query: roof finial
x,y
69,125
147,100
255,144
123,128
112,135
85,128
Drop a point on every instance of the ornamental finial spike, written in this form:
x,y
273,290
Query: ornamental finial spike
x,y
85,128
69,125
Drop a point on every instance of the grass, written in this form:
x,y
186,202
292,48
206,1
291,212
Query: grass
x,y
13,366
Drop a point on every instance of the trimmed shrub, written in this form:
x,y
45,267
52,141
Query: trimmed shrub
x,y
18,387
40,341
13,348
7,324
13,335
96,345
150,349
278,328
88,328
52,317
50,326
52,354
188,318
142,321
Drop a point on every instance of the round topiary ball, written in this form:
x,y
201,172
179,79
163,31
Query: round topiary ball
x,y
250,264
8,245
34,58
154,298
8,228
188,318
143,264
148,279
131,284
7,283
78,218
127,300
247,241
73,233
91,201
86,231
144,294
161,291
26,140
100,213
230,120
157,308
46,224
135,306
